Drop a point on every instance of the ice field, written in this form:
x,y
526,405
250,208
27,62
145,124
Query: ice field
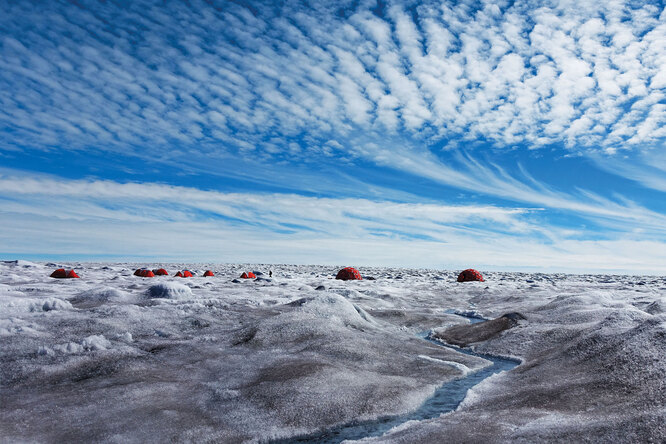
x,y
114,357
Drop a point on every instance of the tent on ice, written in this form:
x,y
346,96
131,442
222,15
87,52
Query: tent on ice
x,y
248,275
184,274
470,275
161,272
349,273
144,272
60,273
209,273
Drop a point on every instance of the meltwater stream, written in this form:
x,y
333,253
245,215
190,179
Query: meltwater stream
x,y
446,399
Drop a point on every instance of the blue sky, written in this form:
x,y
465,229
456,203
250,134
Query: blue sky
x,y
501,135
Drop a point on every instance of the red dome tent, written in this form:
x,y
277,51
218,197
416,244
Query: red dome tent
x,y
161,272
248,275
470,275
60,273
209,273
349,273
184,274
144,272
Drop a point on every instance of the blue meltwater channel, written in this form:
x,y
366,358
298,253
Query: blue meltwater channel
x,y
446,399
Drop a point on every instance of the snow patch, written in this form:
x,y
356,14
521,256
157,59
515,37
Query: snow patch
x,y
15,326
126,337
51,304
463,368
90,343
476,393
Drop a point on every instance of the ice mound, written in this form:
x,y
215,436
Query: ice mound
x,y
90,343
336,308
100,295
656,308
52,304
169,290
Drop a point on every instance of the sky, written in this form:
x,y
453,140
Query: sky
x,y
526,135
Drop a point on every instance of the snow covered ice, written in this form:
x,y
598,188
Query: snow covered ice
x,y
113,357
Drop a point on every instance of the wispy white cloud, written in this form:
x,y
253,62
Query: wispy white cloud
x,y
648,168
491,179
156,203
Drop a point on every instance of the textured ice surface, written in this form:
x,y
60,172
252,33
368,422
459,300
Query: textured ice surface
x,y
112,357
170,290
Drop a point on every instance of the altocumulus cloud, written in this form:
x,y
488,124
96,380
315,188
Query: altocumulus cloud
x,y
588,74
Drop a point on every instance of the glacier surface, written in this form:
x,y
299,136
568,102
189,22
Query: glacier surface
x,y
113,357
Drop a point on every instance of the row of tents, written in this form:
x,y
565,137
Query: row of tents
x,y
144,272
61,273
351,273
346,274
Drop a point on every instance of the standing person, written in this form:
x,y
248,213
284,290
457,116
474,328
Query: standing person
x,y
270,273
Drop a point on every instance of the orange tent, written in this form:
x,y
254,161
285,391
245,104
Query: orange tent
x,y
470,275
60,273
184,274
349,273
248,275
144,272
209,273
161,272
